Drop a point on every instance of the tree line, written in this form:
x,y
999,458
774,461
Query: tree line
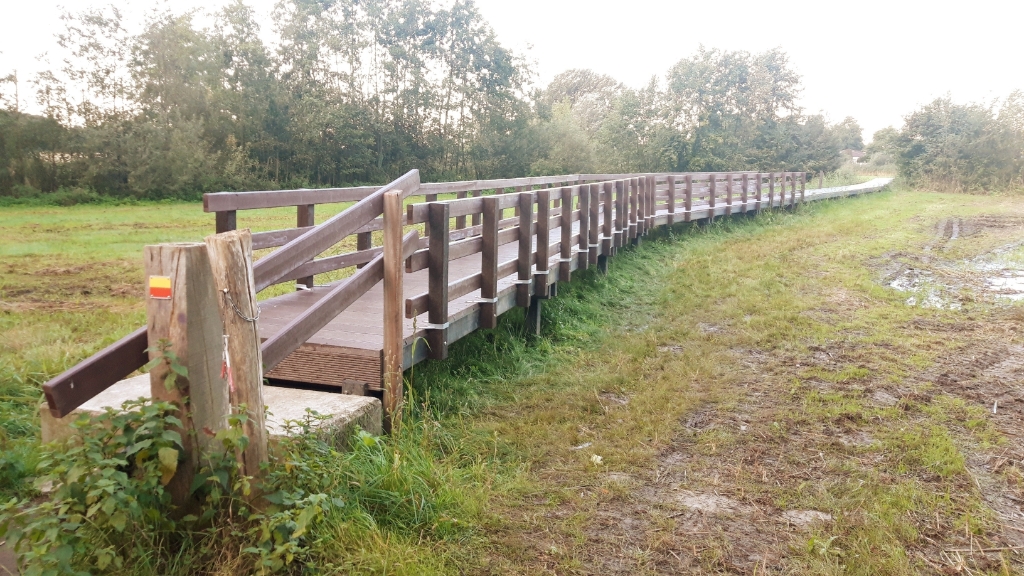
x,y
353,92
957,147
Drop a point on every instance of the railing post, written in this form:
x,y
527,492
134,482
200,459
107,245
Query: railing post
x,y
543,282
771,189
728,194
641,206
489,263
687,196
634,201
621,218
712,183
757,188
565,228
305,217
652,202
745,183
460,221
671,199
426,225
231,264
803,186
524,266
821,179
394,274
792,188
183,314
437,280
584,251
594,229
364,241
226,221
475,221
605,238
608,238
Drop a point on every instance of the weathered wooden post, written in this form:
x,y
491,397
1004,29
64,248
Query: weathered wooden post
x,y
524,266
671,181
394,273
583,253
651,204
183,315
728,194
687,196
607,235
757,188
364,241
543,283
771,189
821,179
633,208
712,180
621,213
489,262
745,182
231,263
641,208
803,186
565,231
437,279
226,220
594,229
526,289
305,217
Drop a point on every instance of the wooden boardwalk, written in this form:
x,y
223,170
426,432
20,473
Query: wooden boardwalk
x,y
350,346
497,245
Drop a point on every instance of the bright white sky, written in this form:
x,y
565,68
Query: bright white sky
x,y
875,60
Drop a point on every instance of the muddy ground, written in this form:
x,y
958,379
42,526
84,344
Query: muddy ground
x,y
857,425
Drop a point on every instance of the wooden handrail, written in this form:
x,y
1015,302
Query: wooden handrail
x,y
84,380
275,266
232,201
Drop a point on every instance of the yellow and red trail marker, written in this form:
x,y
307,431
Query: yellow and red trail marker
x,y
160,287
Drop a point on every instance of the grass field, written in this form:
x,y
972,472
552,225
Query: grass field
x,y
750,397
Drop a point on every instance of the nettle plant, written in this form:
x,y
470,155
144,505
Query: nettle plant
x,y
106,506
106,494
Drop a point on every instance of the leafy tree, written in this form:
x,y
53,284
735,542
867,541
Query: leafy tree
x,y
962,146
849,134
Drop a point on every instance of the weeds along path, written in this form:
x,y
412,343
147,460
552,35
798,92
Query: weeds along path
x,y
757,399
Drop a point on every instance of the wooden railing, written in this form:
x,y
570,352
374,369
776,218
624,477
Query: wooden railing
x,y
597,213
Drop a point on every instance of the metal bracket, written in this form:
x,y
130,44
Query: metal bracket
x,y
526,281
429,326
484,300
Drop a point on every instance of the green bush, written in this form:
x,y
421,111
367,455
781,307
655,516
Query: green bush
x,y
961,147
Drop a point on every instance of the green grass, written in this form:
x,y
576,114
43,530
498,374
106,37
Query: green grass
x,y
778,322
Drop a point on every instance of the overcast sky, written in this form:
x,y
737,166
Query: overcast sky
x,y
875,60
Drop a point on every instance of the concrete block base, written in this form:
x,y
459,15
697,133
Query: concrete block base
x,y
344,412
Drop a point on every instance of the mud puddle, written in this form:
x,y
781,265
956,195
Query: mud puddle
x,y
931,281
